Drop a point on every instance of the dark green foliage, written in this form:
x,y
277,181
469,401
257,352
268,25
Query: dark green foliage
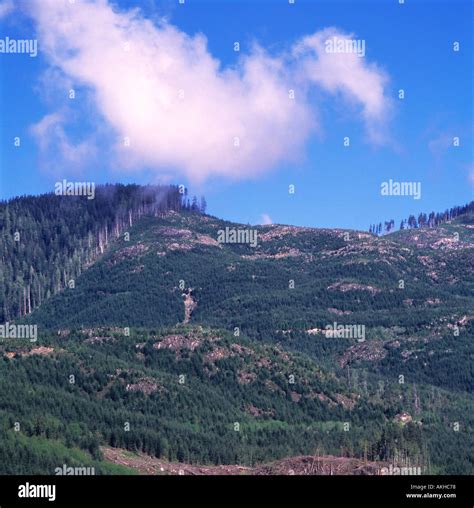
x,y
411,290
194,421
49,240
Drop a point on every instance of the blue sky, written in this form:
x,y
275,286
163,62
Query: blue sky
x,y
335,186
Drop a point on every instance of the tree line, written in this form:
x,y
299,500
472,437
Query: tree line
x,y
424,220
49,240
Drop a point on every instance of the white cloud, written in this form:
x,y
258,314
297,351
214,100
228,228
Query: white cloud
x,y
6,7
346,73
180,108
57,152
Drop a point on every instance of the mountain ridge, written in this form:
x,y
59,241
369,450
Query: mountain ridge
x,y
222,353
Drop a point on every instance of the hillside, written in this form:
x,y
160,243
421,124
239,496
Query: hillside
x,y
207,353
412,291
203,396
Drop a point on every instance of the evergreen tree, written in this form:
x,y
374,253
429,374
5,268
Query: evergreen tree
x,y
203,205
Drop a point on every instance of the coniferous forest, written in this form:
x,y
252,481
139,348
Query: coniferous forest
x,y
48,241
155,338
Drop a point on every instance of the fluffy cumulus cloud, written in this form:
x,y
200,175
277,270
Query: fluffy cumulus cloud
x,y
172,105
345,72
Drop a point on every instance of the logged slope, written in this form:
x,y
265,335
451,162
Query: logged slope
x,y
320,274
203,396
302,465
215,353
412,291
187,394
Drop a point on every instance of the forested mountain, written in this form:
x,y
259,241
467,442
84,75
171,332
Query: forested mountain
x,y
49,240
179,342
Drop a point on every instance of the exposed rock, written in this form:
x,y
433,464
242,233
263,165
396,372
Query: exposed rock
x,y
189,305
177,343
403,418
245,377
257,412
339,312
346,286
216,354
370,350
295,397
145,385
